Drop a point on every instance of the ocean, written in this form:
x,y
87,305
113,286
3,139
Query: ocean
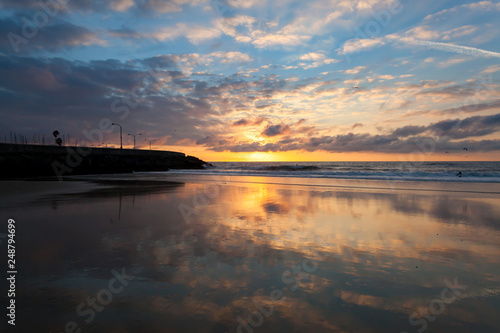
x,y
481,172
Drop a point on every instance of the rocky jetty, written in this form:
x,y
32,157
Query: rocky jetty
x,y
26,161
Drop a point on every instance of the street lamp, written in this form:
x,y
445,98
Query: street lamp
x,y
121,145
134,135
150,142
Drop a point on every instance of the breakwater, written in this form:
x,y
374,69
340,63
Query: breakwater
x,y
25,161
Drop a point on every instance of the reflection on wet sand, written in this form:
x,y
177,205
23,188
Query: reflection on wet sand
x,y
380,256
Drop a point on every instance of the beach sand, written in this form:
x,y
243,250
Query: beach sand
x,y
254,254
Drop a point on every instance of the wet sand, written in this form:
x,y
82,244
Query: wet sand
x,y
253,254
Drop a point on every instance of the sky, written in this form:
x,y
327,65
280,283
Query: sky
x,y
256,80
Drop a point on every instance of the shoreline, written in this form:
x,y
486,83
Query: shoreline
x,y
166,178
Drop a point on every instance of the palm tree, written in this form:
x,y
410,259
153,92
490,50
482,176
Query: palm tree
x,y
58,140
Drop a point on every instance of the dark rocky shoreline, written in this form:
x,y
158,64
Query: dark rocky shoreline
x,y
27,161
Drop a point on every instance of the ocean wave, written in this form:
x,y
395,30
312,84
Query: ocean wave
x,y
482,172
447,177
286,168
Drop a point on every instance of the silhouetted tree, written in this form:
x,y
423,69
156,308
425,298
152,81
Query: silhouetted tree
x,y
59,141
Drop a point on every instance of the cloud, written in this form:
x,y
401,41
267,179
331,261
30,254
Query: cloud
x,y
203,110
263,40
491,69
469,127
248,122
459,32
454,129
478,6
452,62
458,49
55,36
421,36
274,130
355,70
80,5
229,25
245,3
212,140
231,57
195,34
317,58
298,31
313,21
162,62
443,135
310,20
383,77
313,56
352,143
162,6
125,32
477,107
121,5
152,6
166,6
365,143
187,62
422,32
241,122
357,45
83,93
409,131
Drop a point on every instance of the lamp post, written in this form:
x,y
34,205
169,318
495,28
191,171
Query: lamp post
x,y
134,135
150,142
121,145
